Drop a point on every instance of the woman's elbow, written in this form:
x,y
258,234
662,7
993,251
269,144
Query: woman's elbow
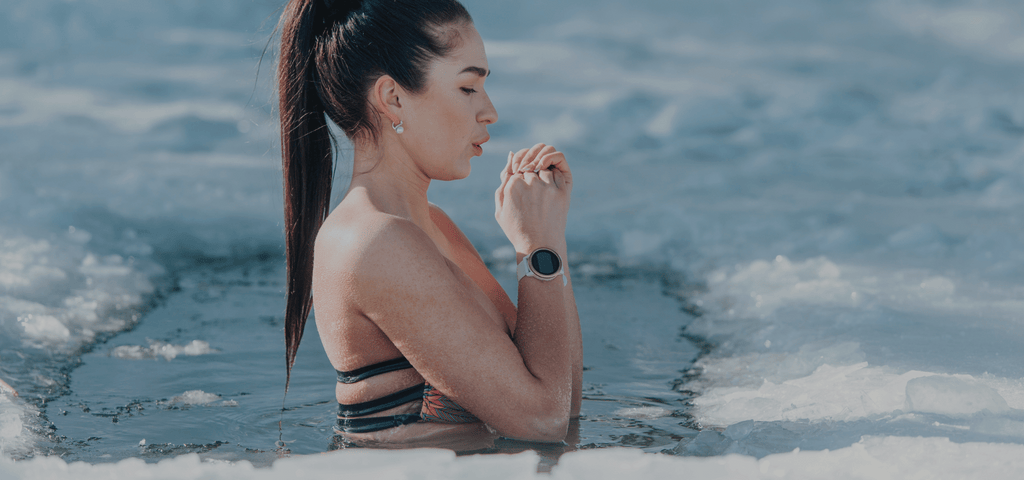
x,y
550,427
553,430
542,416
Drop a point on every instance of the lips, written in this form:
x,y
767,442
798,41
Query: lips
x,y
481,142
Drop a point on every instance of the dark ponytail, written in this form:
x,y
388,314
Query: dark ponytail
x,y
332,52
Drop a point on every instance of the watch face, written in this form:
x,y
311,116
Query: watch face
x,y
545,262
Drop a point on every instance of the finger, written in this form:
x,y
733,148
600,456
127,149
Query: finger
x,y
538,151
530,177
512,181
563,180
518,158
508,166
499,194
530,157
507,171
553,160
543,161
527,157
558,178
547,176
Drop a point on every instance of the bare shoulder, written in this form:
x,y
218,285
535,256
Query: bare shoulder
x,y
369,244
450,230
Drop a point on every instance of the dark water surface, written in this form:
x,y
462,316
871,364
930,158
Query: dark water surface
x,y
634,357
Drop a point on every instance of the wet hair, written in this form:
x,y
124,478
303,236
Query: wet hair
x,y
332,53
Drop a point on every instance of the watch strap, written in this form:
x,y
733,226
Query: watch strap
x,y
523,270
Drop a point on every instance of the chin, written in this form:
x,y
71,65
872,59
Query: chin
x,y
462,171
454,174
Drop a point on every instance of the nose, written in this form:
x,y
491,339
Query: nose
x,y
488,114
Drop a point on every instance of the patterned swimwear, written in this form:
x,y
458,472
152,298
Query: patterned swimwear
x,y
436,408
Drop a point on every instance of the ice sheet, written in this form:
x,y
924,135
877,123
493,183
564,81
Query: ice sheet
x,y
840,180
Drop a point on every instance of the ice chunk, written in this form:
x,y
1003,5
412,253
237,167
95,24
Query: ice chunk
x,y
707,443
830,392
45,328
900,457
643,412
6,389
25,263
161,349
616,463
15,438
952,396
110,266
760,288
195,397
10,420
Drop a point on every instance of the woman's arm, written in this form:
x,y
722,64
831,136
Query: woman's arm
x,y
432,313
544,157
501,300
435,315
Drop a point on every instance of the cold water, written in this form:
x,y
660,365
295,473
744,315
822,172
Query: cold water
x,y
796,225
202,373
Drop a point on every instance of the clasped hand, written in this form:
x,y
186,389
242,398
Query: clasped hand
x,y
532,201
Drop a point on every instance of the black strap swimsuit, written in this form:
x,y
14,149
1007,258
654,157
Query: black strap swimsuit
x,y
434,406
349,420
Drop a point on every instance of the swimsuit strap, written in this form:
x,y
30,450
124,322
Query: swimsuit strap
x,y
373,424
386,402
363,373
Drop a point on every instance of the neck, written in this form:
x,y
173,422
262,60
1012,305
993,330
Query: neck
x,y
390,179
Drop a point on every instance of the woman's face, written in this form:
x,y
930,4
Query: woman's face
x,y
446,123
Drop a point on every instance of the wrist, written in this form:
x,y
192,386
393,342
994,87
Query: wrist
x,y
526,248
543,264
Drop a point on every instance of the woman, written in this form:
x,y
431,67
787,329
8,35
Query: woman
x,y
424,339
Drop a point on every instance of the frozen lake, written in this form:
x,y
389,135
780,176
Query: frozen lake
x,y
825,196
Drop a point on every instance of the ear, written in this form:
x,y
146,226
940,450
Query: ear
x,y
386,98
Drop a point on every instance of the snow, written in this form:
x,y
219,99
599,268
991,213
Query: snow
x,y
839,182
953,397
869,458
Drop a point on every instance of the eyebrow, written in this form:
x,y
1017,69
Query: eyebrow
x,y
483,72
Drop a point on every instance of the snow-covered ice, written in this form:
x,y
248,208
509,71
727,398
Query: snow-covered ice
x,y
839,183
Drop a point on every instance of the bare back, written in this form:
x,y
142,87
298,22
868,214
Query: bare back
x,y
352,339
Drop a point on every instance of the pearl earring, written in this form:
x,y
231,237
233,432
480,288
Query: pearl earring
x,y
398,128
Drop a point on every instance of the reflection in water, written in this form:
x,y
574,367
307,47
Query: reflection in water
x,y
466,443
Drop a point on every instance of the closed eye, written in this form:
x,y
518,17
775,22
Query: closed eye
x,y
468,90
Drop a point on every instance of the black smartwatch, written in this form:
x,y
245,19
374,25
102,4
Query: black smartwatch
x,y
542,263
